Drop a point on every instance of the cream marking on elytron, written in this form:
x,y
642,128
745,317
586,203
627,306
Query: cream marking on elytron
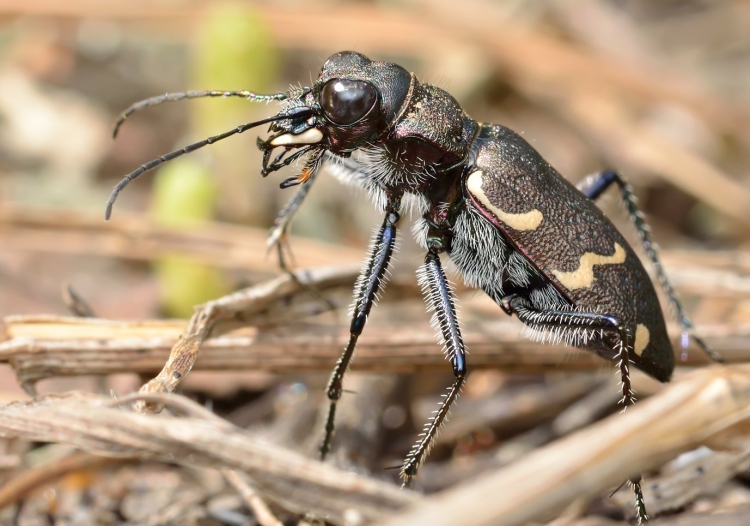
x,y
311,136
583,276
522,222
642,338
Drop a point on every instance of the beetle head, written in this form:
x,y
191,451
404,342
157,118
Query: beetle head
x,y
353,102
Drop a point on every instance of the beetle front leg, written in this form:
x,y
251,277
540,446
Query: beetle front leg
x,y
593,187
440,300
601,323
284,219
279,238
370,282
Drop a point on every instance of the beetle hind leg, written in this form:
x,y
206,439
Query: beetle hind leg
x,y
605,326
573,326
593,187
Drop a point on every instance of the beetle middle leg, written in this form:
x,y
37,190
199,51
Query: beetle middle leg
x,y
371,281
593,187
440,301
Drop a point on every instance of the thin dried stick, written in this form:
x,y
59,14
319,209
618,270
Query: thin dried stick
x,y
137,237
702,476
259,508
46,346
180,403
709,406
235,478
723,273
24,483
242,304
522,408
301,485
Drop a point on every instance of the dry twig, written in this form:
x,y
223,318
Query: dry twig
x,y
300,485
254,502
45,346
137,237
708,406
27,481
240,305
701,476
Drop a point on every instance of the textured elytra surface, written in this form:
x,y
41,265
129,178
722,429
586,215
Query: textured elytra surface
x,y
517,180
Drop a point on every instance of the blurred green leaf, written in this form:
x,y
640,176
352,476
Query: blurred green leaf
x,y
184,194
233,51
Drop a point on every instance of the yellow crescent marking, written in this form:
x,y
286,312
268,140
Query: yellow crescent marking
x,y
583,276
523,222
642,338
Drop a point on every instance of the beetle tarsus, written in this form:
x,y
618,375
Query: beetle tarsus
x,y
640,504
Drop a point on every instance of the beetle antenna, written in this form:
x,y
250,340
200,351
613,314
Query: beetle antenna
x,y
172,97
187,149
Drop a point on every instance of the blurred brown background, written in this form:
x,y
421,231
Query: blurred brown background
x,y
658,90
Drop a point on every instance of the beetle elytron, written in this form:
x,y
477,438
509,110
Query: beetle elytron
x,y
513,226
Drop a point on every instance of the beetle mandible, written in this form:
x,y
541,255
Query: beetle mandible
x,y
511,224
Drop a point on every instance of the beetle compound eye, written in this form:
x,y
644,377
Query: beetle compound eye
x,y
347,101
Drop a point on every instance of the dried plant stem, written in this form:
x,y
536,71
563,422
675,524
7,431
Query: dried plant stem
x,y
243,305
709,406
95,424
27,481
702,476
259,508
45,346
137,237
230,246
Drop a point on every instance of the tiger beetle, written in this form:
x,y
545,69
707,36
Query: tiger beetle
x,y
509,222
